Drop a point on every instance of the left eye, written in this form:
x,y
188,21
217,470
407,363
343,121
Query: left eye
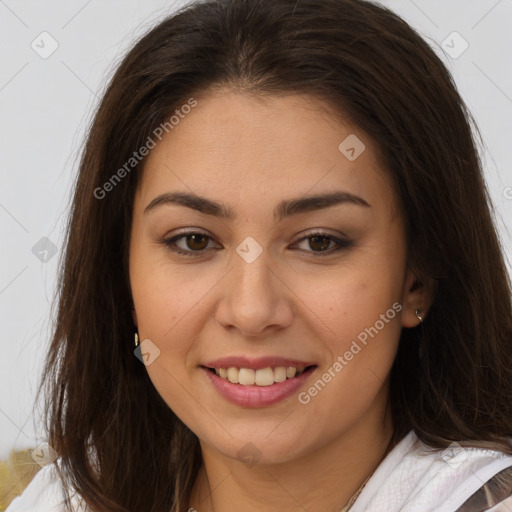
x,y
194,243
321,243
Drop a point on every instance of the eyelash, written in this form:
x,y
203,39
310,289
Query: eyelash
x,y
171,244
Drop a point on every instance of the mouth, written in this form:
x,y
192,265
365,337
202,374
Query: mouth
x,y
260,384
261,377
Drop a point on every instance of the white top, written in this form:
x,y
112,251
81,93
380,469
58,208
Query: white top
x,y
412,478
44,494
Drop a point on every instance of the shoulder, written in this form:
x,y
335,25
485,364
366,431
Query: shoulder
x,y
503,506
416,478
495,493
44,494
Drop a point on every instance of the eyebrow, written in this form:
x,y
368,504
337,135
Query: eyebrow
x,y
284,209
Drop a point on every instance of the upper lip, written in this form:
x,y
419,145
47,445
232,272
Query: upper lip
x,y
256,363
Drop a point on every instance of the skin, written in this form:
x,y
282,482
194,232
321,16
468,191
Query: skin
x,y
251,154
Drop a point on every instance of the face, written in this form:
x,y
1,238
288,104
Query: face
x,y
261,250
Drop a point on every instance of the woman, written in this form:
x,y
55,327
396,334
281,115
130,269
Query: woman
x,y
283,289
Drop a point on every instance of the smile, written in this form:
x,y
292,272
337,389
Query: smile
x,y
261,377
262,386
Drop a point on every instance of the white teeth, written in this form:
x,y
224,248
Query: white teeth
x,y
233,375
290,372
280,374
261,377
264,377
246,376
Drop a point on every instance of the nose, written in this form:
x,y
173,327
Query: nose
x,y
255,298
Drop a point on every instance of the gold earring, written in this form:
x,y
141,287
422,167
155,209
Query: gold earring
x,y
420,318
136,340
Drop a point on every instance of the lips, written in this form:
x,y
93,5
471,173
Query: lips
x,y
257,382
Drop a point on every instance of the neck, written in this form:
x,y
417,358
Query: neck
x,y
324,478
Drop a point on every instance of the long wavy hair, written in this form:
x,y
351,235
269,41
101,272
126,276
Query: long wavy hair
x,y
120,446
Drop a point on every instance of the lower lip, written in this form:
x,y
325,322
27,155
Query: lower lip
x,y
257,396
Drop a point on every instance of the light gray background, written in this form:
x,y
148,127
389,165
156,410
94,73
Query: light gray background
x,y
46,105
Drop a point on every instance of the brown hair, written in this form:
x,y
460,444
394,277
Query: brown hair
x,y
120,445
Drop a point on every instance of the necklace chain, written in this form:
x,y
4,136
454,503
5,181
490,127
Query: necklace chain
x,y
352,499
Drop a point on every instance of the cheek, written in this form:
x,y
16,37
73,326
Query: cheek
x,y
356,315
359,325
168,304
165,296
348,303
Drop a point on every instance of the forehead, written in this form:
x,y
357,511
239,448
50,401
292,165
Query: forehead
x,y
232,145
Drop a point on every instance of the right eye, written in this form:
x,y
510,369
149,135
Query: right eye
x,y
189,243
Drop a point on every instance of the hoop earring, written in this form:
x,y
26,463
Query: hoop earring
x,y
136,340
420,318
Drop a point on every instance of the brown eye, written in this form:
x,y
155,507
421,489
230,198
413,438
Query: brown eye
x,y
322,244
191,243
197,241
319,242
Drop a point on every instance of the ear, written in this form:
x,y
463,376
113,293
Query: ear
x,y
134,316
418,296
